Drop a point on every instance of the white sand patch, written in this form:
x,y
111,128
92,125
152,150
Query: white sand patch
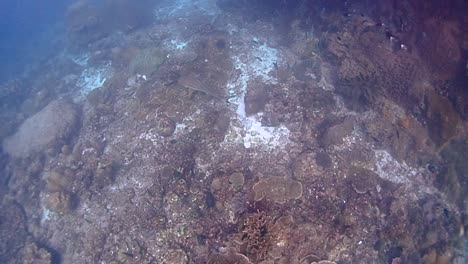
x,y
256,134
258,63
390,169
263,61
178,45
47,215
92,78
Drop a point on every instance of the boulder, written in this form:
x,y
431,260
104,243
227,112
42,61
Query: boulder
x,y
43,130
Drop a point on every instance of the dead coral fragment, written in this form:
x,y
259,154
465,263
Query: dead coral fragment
x,y
277,189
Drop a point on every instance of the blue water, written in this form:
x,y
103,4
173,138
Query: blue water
x,y
25,24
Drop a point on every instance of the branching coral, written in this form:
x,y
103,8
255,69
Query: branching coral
x,y
256,235
263,237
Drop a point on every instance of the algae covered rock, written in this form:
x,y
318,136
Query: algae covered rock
x,y
60,202
36,255
43,130
277,189
237,179
230,258
147,61
176,256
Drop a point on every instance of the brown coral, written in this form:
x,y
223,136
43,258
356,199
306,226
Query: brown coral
x,y
277,189
265,238
372,63
256,235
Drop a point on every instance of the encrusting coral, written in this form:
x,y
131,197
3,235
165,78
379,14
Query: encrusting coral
x,y
277,189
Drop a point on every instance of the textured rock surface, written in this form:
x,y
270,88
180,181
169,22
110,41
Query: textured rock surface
x,y
45,129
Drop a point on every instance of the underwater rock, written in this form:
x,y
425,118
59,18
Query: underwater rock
x,y
255,98
147,61
442,119
165,126
83,23
176,256
309,259
192,81
230,258
335,134
323,159
452,180
57,181
104,174
36,255
441,47
277,189
237,179
216,184
13,231
43,130
59,202
362,180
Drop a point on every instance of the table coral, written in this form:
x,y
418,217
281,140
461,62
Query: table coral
x,y
277,189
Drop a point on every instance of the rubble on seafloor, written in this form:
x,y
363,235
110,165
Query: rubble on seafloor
x,y
223,133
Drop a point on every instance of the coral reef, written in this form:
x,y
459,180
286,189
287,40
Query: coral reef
x,y
284,132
